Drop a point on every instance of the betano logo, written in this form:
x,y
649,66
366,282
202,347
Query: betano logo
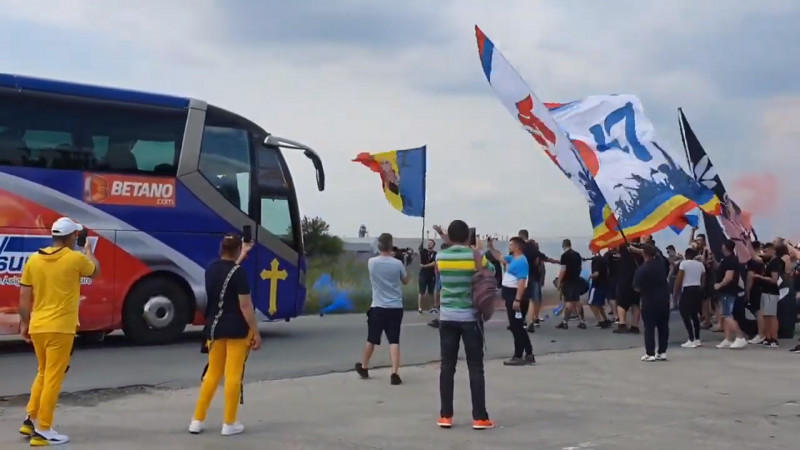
x,y
113,189
15,250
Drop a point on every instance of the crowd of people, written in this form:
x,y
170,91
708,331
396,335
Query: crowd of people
x,y
636,283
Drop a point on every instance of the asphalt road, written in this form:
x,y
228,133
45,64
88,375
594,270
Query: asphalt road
x,y
303,347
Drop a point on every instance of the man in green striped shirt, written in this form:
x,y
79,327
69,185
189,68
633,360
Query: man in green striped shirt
x,y
458,322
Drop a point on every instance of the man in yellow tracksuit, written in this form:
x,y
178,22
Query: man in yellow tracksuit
x,y
49,297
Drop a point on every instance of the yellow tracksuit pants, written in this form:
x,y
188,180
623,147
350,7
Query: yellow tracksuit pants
x,y
53,351
225,357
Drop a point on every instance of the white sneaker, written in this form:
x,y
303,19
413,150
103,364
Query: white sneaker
x,y
756,340
196,427
688,344
739,343
648,358
724,344
234,428
661,357
696,343
50,437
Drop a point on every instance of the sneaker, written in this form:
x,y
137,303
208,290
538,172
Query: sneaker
x,y
537,322
621,329
433,311
445,422
771,343
419,311
606,324
739,343
648,358
362,371
434,323
697,343
485,424
395,380
530,360
661,357
796,349
514,361
27,429
724,344
234,428
563,326
633,330
757,340
42,438
717,328
195,427
531,328
582,325
688,344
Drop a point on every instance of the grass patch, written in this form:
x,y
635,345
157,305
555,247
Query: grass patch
x,y
349,273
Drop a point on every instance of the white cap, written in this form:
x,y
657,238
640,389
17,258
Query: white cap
x,y
65,226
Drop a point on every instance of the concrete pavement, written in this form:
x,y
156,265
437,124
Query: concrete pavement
x,y
596,400
304,347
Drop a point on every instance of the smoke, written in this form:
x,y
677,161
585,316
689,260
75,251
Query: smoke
x,y
757,194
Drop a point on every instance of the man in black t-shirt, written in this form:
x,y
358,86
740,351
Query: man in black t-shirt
x,y
727,289
611,259
770,294
427,274
598,289
650,280
571,284
627,297
752,291
536,260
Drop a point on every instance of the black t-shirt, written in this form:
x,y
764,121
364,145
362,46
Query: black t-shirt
x,y
572,262
535,259
651,282
599,265
757,267
612,263
231,323
774,265
729,263
426,257
627,265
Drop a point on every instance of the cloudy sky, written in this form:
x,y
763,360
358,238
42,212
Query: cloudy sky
x,y
346,76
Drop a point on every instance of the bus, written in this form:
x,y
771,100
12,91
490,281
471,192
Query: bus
x,y
156,180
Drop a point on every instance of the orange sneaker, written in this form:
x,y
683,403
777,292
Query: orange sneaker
x,y
485,424
445,422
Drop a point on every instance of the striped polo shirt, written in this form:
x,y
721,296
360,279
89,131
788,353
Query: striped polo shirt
x,y
456,265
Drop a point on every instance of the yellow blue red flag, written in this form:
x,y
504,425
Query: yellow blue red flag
x,y
402,177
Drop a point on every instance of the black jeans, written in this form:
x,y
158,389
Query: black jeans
x,y
656,319
522,342
450,336
690,303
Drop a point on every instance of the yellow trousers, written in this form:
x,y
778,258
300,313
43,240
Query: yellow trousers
x,y
225,357
53,351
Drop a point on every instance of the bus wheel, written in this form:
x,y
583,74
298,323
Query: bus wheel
x,y
155,312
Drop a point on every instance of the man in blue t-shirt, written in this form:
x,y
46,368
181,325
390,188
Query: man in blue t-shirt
x,y
513,291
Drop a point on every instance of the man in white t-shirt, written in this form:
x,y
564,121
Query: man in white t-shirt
x,y
385,316
689,288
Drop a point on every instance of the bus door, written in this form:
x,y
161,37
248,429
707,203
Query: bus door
x,y
277,257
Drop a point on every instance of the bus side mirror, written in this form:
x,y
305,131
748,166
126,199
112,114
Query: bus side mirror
x,y
308,151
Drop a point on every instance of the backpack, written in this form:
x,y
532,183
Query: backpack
x,y
484,290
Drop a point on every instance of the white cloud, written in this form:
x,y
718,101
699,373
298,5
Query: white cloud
x,y
342,99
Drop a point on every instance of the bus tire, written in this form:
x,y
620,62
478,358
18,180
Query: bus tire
x,y
156,312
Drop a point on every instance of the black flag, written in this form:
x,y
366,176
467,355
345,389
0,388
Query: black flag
x,y
705,173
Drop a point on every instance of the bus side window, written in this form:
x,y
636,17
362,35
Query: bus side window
x,y
225,163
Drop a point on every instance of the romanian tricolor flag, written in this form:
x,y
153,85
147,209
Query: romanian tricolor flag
x,y
402,177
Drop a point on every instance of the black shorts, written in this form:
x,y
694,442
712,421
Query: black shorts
x,y
384,320
572,291
427,283
626,298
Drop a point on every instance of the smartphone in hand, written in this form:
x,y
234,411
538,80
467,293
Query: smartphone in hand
x,y
473,238
82,235
247,234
